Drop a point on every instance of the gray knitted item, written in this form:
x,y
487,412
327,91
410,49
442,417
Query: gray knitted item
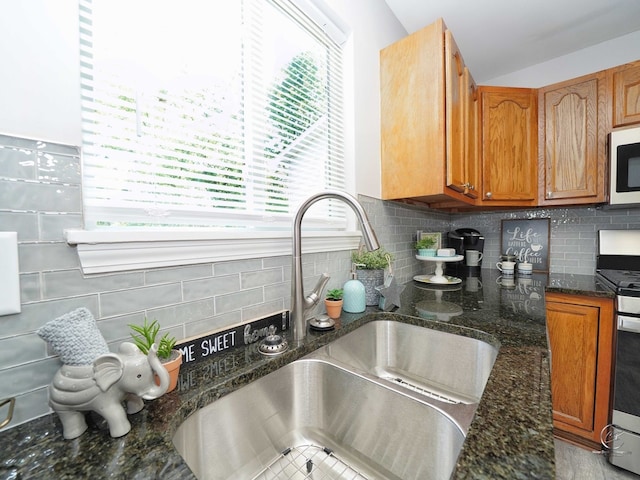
x,y
74,337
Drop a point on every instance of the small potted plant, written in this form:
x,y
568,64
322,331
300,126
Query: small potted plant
x,y
333,303
370,265
171,358
425,247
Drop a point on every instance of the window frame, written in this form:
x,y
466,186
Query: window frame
x,y
103,251
108,252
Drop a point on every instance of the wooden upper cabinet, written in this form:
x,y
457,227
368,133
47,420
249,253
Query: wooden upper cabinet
x,y
422,119
509,142
573,126
455,114
472,176
449,144
626,94
412,116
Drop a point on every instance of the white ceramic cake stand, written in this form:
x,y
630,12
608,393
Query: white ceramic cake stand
x,y
439,276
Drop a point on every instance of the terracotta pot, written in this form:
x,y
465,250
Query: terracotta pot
x,y
173,367
334,308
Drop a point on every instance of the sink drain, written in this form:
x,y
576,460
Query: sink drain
x,y
309,462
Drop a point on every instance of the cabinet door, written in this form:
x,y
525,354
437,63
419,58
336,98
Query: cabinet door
x,y
626,94
573,159
472,136
573,337
581,334
509,155
412,102
455,115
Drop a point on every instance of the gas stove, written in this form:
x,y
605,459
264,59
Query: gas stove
x,y
623,282
618,261
618,267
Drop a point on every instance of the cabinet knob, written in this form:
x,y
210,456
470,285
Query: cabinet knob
x,y
549,194
489,195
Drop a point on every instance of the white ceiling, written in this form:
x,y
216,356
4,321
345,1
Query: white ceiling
x,y
502,36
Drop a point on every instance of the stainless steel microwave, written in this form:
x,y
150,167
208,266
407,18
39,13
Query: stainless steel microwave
x,y
624,166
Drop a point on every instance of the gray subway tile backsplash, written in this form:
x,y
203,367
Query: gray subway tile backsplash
x,y
237,266
69,283
27,377
258,278
58,168
215,322
36,314
35,257
21,349
138,299
26,224
40,196
262,310
52,225
210,287
29,287
238,300
30,405
177,274
16,163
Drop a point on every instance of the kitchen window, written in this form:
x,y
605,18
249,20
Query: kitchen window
x,y
209,121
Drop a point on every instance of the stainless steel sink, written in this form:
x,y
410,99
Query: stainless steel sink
x,y
312,419
443,366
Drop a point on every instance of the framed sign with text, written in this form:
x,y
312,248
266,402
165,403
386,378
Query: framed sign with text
x,y
528,240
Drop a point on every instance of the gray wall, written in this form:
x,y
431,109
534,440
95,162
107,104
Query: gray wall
x,y
40,196
572,233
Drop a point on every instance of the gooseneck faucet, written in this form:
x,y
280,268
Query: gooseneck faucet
x,y
300,304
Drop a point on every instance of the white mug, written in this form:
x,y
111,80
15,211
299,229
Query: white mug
x,y
473,284
507,281
525,268
525,282
506,267
473,257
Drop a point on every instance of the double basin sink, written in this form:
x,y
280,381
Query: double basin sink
x,y
389,400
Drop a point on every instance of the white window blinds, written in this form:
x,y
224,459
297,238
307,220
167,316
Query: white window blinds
x,y
211,113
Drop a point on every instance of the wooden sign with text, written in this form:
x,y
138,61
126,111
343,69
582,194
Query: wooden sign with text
x,y
199,348
528,240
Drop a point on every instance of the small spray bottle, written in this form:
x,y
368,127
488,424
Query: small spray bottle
x,y
354,300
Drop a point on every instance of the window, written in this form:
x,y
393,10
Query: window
x,y
209,113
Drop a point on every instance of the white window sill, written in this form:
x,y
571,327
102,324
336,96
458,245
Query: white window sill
x,y
102,251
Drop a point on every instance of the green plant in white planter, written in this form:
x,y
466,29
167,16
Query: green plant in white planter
x,y
425,247
370,267
171,358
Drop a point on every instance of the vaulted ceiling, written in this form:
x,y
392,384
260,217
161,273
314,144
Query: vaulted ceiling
x,y
502,36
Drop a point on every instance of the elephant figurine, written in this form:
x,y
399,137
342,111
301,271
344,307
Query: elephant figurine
x,y
103,386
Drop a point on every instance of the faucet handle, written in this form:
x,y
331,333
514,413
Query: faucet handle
x,y
312,299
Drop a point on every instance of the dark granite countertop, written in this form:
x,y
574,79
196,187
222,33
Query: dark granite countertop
x,y
510,437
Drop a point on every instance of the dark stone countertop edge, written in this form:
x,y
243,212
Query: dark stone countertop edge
x,y
511,433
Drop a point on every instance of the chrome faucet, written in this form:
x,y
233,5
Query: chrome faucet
x,y
300,304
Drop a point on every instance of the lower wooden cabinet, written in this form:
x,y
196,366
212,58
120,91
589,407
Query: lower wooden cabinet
x,y
581,333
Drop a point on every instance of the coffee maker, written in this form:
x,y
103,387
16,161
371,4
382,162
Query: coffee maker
x,y
464,239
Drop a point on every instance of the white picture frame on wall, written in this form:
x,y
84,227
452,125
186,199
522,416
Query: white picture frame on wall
x,y
437,236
